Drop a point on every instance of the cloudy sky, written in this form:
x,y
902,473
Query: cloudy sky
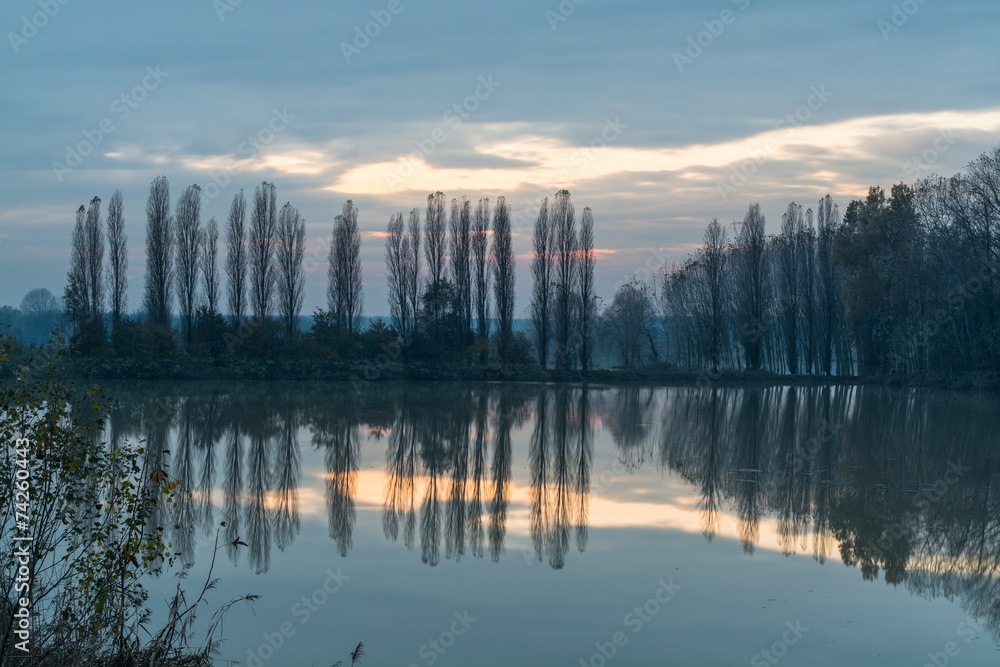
x,y
658,115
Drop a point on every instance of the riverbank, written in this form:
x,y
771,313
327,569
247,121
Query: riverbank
x,y
366,372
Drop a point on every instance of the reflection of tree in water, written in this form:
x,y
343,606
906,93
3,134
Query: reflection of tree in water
x,y
559,460
336,430
500,472
287,475
845,468
864,469
258,516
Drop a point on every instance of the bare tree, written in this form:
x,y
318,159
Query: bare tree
x,y
503,275
461,268
39,314
564,249
210,266
435,236
95,259
750,286
788,282
344,295
263,223
481,267
712,258
395,267
541,287
188,249
827,219
75,296
291,250
435,247
628,320
411,251
117,257
585,284
159,253
807,273
236,259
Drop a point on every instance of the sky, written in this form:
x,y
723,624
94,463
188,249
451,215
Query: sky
x,y
657,115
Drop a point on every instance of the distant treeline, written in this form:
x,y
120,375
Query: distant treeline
x,y
901,284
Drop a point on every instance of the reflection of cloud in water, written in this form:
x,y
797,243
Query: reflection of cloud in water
x,y
460,470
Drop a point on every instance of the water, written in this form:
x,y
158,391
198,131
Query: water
x,y
489,524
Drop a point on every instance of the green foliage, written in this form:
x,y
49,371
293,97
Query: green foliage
x,y
514,349
134,339
210,330
90,509
89,337
378,339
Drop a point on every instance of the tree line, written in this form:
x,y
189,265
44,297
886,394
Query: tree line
x,y
902,284
451,281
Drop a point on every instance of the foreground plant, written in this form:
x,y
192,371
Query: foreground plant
x,y
81,525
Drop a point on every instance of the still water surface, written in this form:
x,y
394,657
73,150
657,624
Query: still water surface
x,y
525,524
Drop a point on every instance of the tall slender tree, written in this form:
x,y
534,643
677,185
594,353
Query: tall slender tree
x,y
117,257
585,283
461,267
188,250
807,273
503,276
75,301
95,259
210,284
435,250
344,293
263,224
564,250
236,260
788,283
395,269
712,258
290,251
751,286
541,287
481,267
411,253
827,219
159,253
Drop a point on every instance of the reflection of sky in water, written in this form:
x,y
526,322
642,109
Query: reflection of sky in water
x,y
644,522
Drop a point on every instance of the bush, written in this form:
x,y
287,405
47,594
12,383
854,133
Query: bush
x,y
134,339
94,515
210,331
